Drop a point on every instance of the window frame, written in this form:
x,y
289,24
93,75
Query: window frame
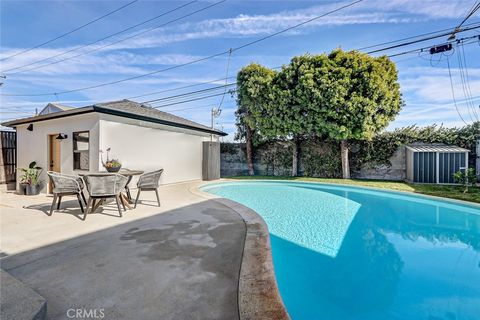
x,y
80,151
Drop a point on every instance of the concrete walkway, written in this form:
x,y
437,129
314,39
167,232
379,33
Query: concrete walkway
x,y
180,261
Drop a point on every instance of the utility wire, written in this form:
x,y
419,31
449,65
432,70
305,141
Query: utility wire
x,y
472,11
453,92
192,99
417,36
474,8
465,85
462,81
107,37
467,78
70,32
210,105
459,41
225,86
190,94
197,60
226,80
178,88
420,40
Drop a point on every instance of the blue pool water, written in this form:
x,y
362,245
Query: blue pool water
x,y
351,253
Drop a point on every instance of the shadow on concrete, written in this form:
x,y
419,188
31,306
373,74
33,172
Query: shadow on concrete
x,y
71,207
180,264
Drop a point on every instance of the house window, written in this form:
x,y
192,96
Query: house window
x,y
81,150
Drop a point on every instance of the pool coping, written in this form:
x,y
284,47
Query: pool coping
x,y
258,293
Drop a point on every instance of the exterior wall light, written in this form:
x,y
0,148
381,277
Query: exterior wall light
x,y
30,127
61,136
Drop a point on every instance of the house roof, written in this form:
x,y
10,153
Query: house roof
x,y
54,107
123,108
436,148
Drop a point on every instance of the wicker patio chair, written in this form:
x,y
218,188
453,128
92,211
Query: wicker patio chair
x,y
63,185
149,182
103,186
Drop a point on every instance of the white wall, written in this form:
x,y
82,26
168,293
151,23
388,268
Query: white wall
x,y
137,144
147,146
34,145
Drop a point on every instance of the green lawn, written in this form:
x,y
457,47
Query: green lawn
x,y
454,192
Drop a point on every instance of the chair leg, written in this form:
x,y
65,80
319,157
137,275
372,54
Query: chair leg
x,y
94,202
89,207
138,196
59,201
83,197
53,203
117,199
80,202
122,200
158,198
129,195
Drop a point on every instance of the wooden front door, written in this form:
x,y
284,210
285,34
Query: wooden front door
x,y
53,156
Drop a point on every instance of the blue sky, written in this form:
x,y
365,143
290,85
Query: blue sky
x,y
425,83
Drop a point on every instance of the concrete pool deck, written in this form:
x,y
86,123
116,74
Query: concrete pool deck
x,y
180,261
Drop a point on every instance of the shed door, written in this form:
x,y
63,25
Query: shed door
x,y
424,167
448,164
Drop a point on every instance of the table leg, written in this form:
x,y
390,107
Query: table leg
x,y
127,189
125,201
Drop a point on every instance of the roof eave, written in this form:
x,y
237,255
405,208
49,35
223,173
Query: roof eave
x,y
55,115
95,108
154,120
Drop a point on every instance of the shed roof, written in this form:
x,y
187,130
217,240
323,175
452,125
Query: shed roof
x,y
123,108
436,148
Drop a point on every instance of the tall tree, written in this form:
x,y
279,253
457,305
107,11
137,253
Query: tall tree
x,y
340,96
253,90
361,96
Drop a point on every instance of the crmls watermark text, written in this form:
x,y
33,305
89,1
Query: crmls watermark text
x,y
86,313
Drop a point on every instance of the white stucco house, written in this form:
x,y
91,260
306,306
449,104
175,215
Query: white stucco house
x,y
140,137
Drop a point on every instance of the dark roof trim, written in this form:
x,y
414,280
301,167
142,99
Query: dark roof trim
x,y
89,109
154,120
49,116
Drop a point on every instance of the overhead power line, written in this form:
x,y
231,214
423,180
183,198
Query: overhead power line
x,y
70,32
416,36
197,60
198,94
192,99
225,86
458,42
179,88
108,37
453,92
421,40
470,13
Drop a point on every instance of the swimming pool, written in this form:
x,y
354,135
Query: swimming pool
x,y
343,252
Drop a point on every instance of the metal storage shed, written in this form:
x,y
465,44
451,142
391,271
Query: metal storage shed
x,y
434,163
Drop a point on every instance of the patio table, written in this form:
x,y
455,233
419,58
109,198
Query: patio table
x,y
126,198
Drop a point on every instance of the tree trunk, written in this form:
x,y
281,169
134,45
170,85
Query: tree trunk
x,y
296,147
345,163
249,145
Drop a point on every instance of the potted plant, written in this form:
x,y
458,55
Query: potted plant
x,y
111,165
30,179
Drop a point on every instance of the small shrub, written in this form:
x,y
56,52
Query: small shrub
x,y
467,178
